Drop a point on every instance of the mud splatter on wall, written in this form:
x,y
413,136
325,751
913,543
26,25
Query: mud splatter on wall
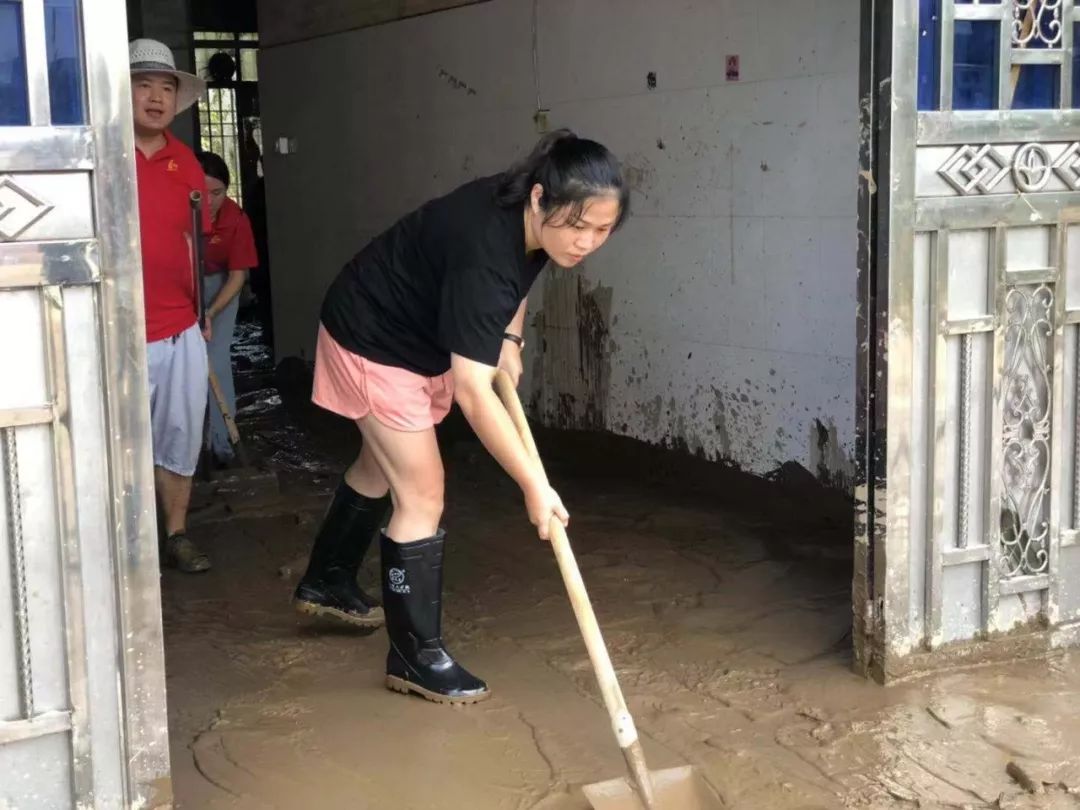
x,y
572,372
828,459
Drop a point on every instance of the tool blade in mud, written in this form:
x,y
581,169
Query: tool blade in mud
x,y
675,789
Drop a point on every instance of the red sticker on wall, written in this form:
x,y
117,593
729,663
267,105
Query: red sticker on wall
x,y
733,68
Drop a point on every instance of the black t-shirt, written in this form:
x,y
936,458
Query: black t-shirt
x,y
445,279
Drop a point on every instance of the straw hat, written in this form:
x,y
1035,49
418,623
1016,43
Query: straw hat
x,y
151,56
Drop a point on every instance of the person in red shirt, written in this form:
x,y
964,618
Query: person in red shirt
x,y
229,255
167,172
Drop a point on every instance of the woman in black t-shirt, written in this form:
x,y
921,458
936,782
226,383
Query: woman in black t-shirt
x,y
425,315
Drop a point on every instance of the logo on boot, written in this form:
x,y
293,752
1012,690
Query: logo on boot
x,y
397,581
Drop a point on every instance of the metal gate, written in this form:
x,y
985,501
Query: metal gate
x,y
82,692
968,505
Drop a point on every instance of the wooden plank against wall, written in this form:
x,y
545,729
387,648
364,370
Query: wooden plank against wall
x,y
283,21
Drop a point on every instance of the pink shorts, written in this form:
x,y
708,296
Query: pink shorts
x,y
353,386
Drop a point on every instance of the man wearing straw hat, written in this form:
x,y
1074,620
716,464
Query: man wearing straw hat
x,y
167,173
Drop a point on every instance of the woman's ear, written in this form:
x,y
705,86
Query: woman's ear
x,y
535,197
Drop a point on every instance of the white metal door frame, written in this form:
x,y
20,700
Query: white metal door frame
x,y
968,501
69,249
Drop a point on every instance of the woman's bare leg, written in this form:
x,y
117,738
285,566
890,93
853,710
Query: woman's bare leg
x,y
411,464
365,476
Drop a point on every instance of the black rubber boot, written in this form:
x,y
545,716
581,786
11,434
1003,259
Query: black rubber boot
x,y
412,598
329,586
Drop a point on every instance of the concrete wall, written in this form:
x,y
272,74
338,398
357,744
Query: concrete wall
x,y
722,318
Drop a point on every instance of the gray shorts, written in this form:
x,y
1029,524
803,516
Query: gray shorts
x,y
178,384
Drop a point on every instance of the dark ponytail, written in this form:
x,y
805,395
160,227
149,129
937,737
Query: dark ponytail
x,y
570,170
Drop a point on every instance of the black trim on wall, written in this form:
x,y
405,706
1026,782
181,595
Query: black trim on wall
x,y
872,318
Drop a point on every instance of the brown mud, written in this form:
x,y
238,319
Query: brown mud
x,y
726,604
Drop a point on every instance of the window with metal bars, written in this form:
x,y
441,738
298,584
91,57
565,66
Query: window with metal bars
x,y
1035,38
223,126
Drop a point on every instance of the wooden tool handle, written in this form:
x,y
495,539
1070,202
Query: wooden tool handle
x,y
230,421
219,398
622,722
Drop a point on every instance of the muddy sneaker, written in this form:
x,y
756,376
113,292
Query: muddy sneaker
x,y
336,595
184,555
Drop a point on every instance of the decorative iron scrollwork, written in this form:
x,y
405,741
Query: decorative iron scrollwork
x,y
1025,413
973,169
980,169
19,209
1036,22
1067,166
1031,168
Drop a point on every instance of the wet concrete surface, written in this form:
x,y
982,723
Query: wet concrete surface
x,y
728,619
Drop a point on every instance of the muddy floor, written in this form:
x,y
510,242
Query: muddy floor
x,y
727,610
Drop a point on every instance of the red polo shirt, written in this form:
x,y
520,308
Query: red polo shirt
x,y
232,245
166,181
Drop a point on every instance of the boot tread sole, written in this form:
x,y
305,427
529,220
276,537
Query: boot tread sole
x,y
183,568
404,687
375,618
